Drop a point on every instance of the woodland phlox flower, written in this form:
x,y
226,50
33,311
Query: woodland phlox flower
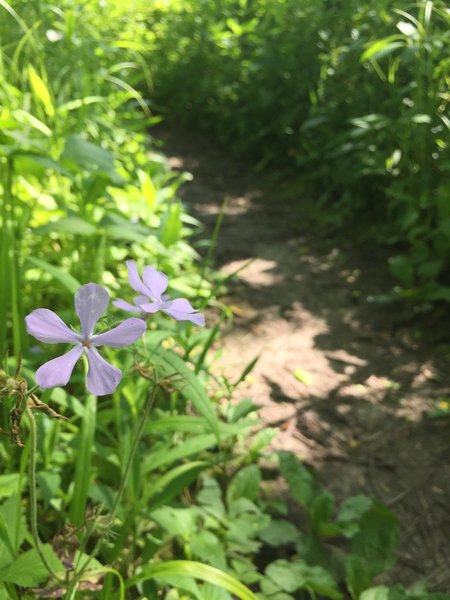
x,y
152,297
91,301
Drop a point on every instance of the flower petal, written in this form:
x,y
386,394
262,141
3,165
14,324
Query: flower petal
x,y
151,307
123,335
91,301
155,281
57,371
102,378
134,279
46,326
181,310
126,306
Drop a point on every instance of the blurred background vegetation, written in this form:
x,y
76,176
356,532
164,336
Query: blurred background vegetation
x,y
350,98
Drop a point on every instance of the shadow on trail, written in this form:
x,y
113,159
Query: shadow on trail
x,y
349,384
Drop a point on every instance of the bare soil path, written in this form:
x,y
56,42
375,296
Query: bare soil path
x,y
348,384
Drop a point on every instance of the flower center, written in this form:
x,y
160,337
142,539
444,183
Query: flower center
x,y
86,343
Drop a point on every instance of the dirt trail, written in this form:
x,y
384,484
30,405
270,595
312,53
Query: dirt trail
x,y
349,384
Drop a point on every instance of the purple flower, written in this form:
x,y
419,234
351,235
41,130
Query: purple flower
x,y
91,301
152,297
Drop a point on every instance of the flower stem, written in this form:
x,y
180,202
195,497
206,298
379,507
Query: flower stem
x,y
32,390
33,502
137,438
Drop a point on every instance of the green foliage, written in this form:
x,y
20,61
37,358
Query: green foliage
x,y
352,96
80,190
158,482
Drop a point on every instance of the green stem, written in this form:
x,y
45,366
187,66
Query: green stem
x,y
13,260
33,502
32,390
137,438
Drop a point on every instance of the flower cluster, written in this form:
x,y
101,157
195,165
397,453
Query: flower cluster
x,y
91,301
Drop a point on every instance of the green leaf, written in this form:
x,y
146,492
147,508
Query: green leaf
x,y
322,510
83,470
67,280
167,487
381,47
196,570
357,576
72,225
173,367
245,484
147,188
9,484
41,91
171,224
28,570
378,538
89,156
210,496
302,482
303,376
380,592
297,575
402,268
12,527
350,512
177,521
25,117
279,533
207,547
167,455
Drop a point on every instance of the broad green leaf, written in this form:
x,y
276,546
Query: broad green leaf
x,y
245,484
321,511
9,484
207,547
357,576
177,521
41,91
210,497
89,156
28,570
302,482
297,575
26,160
278,533
67,280
12,526
380,592
377,539
196,570
352,509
